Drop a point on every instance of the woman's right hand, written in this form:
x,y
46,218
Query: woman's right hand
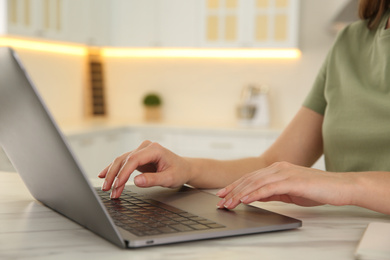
x,y
158,165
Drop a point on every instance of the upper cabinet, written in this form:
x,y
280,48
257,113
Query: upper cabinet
x,y
82,22
49,19
159,23
249,23
155,23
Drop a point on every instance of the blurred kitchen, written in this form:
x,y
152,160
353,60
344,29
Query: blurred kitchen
x,y
208,66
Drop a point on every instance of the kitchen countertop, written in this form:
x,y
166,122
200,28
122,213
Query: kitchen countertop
x,y
103,124
29,230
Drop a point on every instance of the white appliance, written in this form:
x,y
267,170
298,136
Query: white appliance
x,y
253,108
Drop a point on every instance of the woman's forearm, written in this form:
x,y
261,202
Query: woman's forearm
x,y
209,173
300,143
371,190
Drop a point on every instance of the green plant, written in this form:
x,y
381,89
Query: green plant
x,y
152,100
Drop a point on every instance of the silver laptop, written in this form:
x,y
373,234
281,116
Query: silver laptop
x,y
143,217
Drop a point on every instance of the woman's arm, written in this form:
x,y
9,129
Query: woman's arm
x,y
371,190
310,187
300,143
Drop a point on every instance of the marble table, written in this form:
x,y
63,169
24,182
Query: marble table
x,y
29,230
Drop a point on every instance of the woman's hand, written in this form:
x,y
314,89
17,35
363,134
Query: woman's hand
x,y
159,167
288,183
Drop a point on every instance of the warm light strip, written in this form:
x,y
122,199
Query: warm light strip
x,y
201,53
73,49
43,46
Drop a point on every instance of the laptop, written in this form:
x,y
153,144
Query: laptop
x,y
42,157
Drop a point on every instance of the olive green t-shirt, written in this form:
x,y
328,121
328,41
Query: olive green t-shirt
x,y
352,91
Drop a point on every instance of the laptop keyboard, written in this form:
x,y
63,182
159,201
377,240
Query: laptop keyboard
x,y
143,216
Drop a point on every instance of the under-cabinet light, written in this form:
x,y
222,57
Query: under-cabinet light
x,y
74,49
201,53
45,46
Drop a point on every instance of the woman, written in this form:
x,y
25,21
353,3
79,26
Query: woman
x,y
346,116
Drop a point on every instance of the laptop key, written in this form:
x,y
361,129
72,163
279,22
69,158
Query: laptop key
x,y
181,227
199,227
167,230
142,216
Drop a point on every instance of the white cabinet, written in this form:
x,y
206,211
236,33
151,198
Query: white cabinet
x,y
163,136
159,23
178,23
154,23
222,145
73,21
250,23
205,23
133,23
217,144
96,150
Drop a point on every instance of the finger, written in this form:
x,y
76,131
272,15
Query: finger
x,y
148,154
230,194
116,192
150,179
272,191
103,173
246,180
112,171
228,189
121,158
251,183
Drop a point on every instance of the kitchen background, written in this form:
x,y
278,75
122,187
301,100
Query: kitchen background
x,y
198,92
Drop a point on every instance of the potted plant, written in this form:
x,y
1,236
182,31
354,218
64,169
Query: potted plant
x,y
152,107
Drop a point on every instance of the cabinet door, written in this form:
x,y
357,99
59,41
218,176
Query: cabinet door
x,y
134,23
50,19
250,23
221,23
178,23
24,17
272,23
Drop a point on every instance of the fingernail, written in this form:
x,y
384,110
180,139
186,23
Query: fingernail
x,y
227,204
104,186
220,203
116,183
220,192
113,194
244,199
139,180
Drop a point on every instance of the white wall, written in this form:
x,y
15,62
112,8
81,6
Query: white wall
x,y
207,91
3,17
60,79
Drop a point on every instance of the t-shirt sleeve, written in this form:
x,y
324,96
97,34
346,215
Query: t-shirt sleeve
x,y
315,100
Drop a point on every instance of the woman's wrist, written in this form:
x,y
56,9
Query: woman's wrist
x,y
369,190
195,170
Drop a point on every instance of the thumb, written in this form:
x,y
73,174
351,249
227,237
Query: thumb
x,y
149,179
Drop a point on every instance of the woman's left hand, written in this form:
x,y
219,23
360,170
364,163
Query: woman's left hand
x,y
288,183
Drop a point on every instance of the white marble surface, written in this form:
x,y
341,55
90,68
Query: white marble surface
x,y
102,124
29,230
